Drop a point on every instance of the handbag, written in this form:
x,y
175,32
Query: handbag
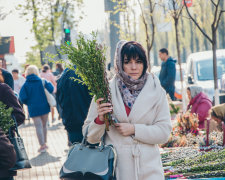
x,y
50,98
90,162
22,161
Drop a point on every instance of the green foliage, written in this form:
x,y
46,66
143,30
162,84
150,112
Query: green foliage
x,y
89,58
6,120
33,58
174,109
48,18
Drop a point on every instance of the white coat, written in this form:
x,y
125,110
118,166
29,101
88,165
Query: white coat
x,y
138,156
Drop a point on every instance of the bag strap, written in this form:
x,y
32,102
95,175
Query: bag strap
x,y
84,140
43,82
16,128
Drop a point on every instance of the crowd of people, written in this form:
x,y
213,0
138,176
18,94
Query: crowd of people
x,y
136,94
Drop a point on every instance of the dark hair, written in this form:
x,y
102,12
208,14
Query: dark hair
x,y
214,114
164,50
59,66
45,68
15,71
134,50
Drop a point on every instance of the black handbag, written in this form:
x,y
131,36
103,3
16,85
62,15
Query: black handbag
x,y
90,162
22,161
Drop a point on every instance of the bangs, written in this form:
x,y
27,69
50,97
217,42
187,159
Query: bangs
x,y
132,52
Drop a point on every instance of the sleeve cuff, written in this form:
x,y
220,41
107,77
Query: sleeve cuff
x,y
97,121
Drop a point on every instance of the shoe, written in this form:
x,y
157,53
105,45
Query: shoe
x,y
53,120
42,149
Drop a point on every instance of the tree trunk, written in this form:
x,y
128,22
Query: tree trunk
x,y
176,20
41,56
192,38
215,66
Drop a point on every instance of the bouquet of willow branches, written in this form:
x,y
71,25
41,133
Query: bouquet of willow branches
x,y
6,120
89,58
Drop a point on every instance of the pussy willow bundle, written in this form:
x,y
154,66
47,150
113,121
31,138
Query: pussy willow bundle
x,y
89,58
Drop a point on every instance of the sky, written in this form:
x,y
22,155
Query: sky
x,y
14,25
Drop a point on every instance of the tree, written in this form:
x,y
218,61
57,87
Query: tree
x,y
48,19
149,41
175,13
212,39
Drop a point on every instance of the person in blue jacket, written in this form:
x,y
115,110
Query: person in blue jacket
x,y
32,94
74,100
168,72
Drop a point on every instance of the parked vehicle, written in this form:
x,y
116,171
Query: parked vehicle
x,y
177,93
200,70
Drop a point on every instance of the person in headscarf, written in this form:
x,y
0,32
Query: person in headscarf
x,y
218,113
199,104
140,105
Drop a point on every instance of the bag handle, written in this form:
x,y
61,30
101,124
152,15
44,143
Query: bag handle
x,y
84,140
16,128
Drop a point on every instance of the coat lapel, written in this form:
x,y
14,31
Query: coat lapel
x,y
147,98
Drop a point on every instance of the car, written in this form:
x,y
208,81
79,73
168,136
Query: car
x,y
200,70
177,93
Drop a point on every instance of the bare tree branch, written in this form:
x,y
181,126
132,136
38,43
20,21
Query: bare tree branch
x,y
213,3
197,23
152,23
215,14
217,23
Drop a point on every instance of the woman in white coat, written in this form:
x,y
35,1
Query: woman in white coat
x,y
140,105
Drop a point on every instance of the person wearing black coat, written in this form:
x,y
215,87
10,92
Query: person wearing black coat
x,y
7,152
73,100
7,157
8,79
168,72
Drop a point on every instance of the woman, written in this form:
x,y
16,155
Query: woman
x,y
47,74
140,105
199,104
7,152
218,113
59,69
32,94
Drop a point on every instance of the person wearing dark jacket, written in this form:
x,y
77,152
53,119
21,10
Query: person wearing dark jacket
x,y
168,72
33,95
10,100
74,101
7,152
8,79
7,157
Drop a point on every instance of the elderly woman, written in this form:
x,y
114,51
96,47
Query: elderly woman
x,y
140,105
199,104
218,113
32,94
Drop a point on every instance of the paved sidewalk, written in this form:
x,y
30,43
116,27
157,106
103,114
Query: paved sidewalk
x,y
45,166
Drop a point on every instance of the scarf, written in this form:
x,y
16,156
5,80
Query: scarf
x,y
129,88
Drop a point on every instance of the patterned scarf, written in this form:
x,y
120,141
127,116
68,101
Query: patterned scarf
x,y
129,88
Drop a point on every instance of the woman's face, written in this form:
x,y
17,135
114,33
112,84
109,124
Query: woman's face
x,y
216,119
133,68
189,94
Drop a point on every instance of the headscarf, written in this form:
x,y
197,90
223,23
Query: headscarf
x,y
219,111
129,88
195,90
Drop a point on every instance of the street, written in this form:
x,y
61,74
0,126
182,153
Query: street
x,y
45,166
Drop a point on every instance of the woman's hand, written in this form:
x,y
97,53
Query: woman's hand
x,y
103,108
125,129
